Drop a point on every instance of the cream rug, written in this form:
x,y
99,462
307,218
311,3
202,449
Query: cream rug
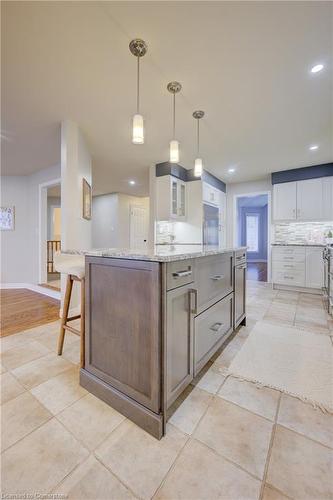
x,y
294,361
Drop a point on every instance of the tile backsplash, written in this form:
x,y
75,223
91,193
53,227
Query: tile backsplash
x,y
302,232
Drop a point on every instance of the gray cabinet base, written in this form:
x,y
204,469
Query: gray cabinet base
x,y
149,421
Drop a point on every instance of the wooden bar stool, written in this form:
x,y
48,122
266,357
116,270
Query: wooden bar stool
x,y
73,266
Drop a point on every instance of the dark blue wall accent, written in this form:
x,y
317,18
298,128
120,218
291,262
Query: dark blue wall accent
x,y
262,212
167,168
302,174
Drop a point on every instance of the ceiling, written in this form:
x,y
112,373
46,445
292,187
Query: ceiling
x,y
246,64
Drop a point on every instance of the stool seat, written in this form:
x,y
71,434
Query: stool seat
x,y
74,267
69,264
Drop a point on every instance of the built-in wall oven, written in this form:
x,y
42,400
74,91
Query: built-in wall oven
x,y
328,278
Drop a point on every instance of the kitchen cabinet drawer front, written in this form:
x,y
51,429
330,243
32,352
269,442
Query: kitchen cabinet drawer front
x,y
210,327
287,251
180,273
288,266
214,279
292,278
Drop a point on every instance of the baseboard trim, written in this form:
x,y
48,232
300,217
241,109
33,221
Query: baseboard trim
x,y
34,288
313,291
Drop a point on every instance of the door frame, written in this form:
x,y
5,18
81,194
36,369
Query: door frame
x,y
269,223
42,227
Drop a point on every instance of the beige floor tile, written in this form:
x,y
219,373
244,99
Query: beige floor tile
x,y
200,474
71,351
287,294
60,391
90,420
255,312
20,416
209,381
315,326
10,387
138,459
225,358
272,494
49,339
38,462
91,480
299,467
2,369
260,400
187,416
237,435
18,339
38,371
303,418
24,354
313,313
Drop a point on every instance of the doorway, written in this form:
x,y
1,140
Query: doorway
x,y
252,231
49,233
138,227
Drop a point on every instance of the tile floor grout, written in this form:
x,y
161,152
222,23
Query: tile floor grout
x,y
270,447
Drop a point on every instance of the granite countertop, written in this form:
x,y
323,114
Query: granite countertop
x,y
298,245
160,253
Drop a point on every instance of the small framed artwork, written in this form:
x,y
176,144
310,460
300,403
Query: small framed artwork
x,y
7,218
86,200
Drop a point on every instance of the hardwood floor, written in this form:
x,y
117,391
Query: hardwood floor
x,y
22,309
257,271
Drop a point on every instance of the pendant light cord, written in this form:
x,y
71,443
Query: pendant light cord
x,y
174,116
198,137
138,87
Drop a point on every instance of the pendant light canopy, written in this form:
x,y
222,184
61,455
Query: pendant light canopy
x,y
174,88
138,48
198,165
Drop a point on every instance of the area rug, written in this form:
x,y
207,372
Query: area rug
x,y
297,362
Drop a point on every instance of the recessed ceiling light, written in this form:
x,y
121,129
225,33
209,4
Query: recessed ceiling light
x,y
317,68
314,147
131,183
231,170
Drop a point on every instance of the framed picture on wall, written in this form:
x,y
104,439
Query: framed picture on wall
x,y
86,200
7,218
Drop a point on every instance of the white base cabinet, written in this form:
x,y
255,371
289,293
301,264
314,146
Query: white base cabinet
x,y
300,267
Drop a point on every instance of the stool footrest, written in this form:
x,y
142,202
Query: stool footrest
x,y
71,329
72,318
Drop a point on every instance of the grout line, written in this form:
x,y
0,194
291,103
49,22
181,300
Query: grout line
x,y
270,448
100,461
304,435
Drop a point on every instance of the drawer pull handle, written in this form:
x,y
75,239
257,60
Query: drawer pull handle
x,y
181,274
288,277
290,266
244,266
217,327
218,277
193,310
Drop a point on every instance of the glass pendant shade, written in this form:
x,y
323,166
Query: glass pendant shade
x,y
174,151
138,132
198,167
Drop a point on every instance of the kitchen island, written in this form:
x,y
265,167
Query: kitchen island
x,y
153,320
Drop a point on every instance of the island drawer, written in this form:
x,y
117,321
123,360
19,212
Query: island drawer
x,y
214,279
210,329
179,273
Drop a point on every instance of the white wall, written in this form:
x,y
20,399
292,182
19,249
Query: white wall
x,y
76,164
241,188
20,248
111,219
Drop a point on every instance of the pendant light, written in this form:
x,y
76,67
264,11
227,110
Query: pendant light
x,y
138,48
198,166
174,88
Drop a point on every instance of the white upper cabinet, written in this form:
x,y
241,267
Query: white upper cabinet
x,y
314,268
171,198
310,199
210,194
306,200
284,201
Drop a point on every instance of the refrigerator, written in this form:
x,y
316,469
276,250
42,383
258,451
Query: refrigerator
x,y
211,225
